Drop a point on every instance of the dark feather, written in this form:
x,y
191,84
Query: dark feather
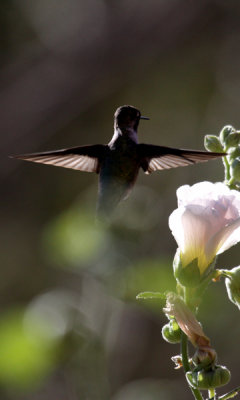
x,y
155,158
83,158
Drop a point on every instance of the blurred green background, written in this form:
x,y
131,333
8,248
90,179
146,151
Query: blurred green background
x,y
70,327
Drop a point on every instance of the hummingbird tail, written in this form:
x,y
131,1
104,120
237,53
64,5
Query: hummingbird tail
x,y
109,198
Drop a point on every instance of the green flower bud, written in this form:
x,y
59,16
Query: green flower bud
x,y
212,143
233,153
208,379
171,332
235,169
233,285
225,132
232,140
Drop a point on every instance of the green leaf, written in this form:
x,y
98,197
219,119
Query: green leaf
x,y
151,295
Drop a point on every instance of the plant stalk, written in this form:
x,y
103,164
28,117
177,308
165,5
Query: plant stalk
x,y
184,352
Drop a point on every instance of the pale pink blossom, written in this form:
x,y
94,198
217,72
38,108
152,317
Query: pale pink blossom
x,y
206,222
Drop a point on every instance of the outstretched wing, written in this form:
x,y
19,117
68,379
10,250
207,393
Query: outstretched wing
x,y
83,158
154,158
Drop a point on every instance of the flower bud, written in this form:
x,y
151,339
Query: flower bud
x,y
225,132
208,379
233,153
233,285
233,139
171,332
212,143
235,169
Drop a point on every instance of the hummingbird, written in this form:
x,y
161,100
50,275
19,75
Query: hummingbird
x,y
118,162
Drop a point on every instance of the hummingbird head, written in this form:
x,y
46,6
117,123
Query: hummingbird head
x,y
127,117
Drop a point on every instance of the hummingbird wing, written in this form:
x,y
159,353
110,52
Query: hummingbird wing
x,y
83,158
154,158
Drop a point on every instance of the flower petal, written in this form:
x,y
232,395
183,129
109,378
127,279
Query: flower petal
x,y
230,236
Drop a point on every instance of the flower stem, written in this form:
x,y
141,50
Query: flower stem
x,y
227,169
211,394
230,394
184,352
226,273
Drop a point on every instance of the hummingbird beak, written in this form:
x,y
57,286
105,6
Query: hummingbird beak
x,y
142,117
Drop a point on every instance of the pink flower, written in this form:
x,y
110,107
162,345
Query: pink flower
x,y
206,222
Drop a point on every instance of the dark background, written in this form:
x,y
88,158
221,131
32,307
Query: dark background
x,y
70,327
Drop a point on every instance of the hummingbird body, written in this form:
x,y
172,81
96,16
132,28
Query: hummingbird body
x,y
118,162
118,170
